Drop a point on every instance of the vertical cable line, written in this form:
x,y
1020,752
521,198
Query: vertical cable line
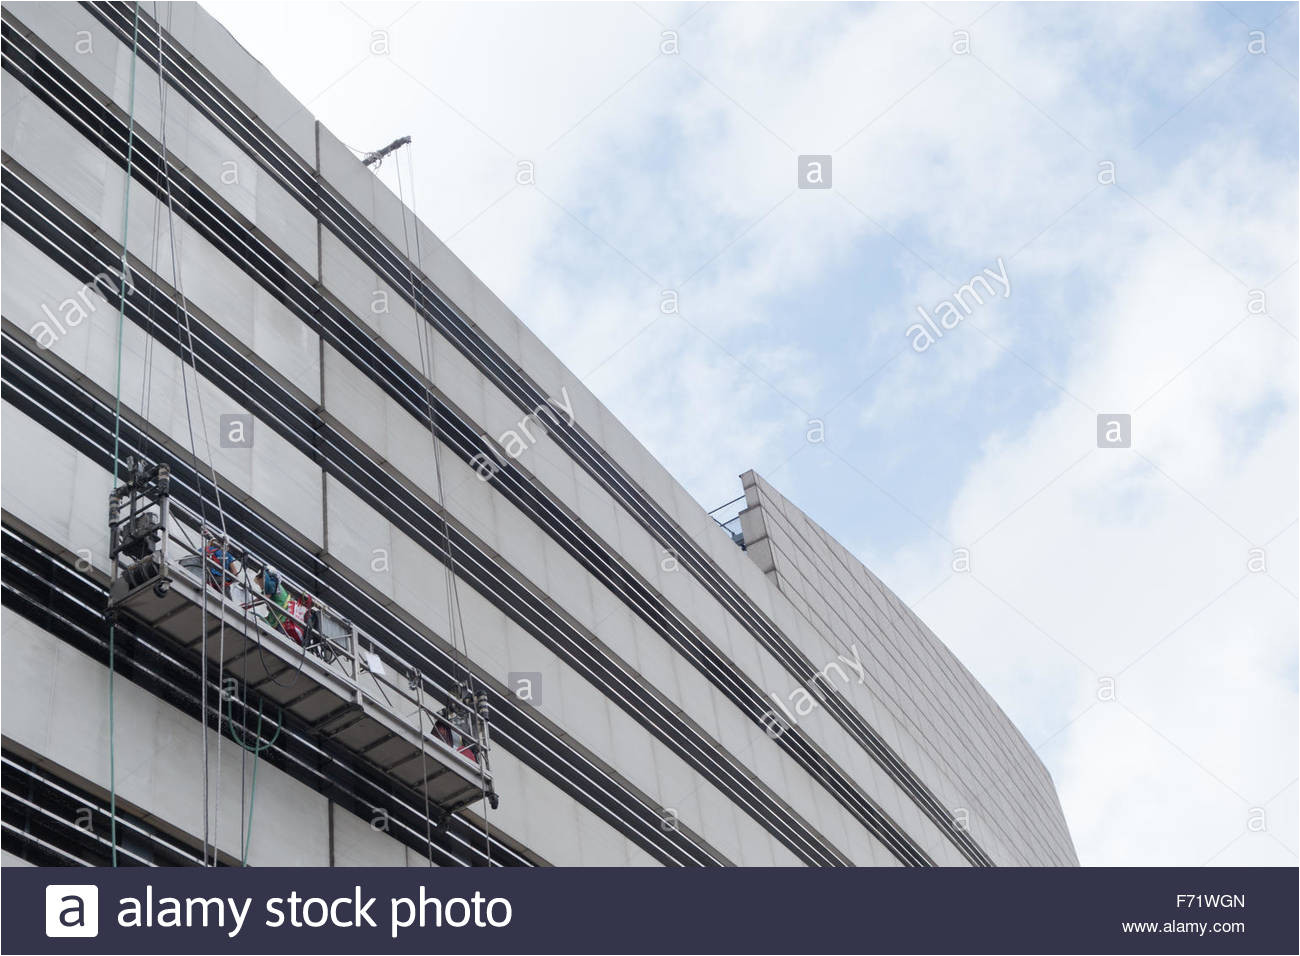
x,y
117,412
433,422
455,617
177,284
447,583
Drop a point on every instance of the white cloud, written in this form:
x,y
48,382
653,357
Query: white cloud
x,y
1130,551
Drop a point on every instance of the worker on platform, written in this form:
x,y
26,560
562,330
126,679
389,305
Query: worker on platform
x,y
455,725
222,566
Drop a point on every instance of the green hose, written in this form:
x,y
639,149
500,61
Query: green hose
x,y
256,750
252,794
117,424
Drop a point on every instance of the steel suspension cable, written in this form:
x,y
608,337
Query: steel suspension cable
x,y
428,830
424,336
178,285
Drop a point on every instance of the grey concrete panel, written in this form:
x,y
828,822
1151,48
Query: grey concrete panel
x,y
56,702
219,52
358,842
73,33
65,499
272,470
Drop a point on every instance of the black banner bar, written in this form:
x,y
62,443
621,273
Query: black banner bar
x,y
317,911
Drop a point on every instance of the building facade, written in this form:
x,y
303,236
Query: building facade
x,y
657,695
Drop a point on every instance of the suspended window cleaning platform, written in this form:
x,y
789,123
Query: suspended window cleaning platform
x,y
178,576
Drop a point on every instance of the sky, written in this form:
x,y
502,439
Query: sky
x,y
1129,169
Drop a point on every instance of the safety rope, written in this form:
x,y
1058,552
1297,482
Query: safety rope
x,y
424,766
243,752
426,372
472,681
117,423
256,749
419,678
146,379
455,616
178,285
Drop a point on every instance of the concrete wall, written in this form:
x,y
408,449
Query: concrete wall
x,y
282,483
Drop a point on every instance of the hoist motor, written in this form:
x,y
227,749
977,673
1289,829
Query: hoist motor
x,y
138,536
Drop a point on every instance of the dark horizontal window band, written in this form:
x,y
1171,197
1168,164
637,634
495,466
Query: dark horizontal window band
x,y
49,821
102,127
207,95
86,424
66,603
192,80
294,422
